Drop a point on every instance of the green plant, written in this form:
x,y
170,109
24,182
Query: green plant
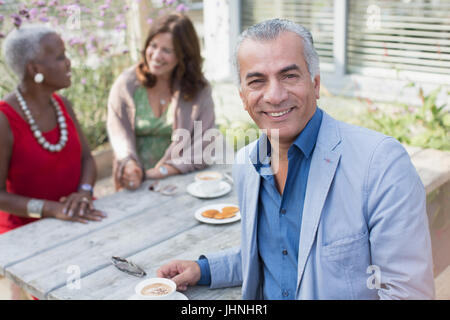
x,y
239,133
426,126
89,96
95,34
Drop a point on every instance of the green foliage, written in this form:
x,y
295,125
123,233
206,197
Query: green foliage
x,y
95,39
239,133
7,79
426,126
89,96
97,57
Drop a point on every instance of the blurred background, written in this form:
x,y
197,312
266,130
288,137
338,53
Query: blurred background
x,y
385,65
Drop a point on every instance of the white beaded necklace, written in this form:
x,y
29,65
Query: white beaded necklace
x,y
63,136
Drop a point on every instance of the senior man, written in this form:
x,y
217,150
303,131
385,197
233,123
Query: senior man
x,y
329,210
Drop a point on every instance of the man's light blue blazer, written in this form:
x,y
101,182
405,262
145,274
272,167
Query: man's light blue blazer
x,y
364,231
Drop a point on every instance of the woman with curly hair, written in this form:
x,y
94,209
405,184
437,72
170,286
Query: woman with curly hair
x,y
166,91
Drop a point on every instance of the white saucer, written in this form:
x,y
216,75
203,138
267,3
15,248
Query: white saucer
x,y
217,206
176,296
195,191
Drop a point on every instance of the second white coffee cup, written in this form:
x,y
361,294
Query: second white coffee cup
x,y
208,182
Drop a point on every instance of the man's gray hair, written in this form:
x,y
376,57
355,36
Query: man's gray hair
x,y
270,30
23,45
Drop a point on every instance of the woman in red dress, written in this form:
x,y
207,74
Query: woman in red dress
x,y
46,167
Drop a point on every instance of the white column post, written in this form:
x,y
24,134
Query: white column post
x,y
221,29
138,27
340,36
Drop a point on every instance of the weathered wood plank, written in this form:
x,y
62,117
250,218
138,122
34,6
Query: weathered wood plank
x,y
433,167
32,239
27,241
43,272
91,251
442,286
109,283
412,150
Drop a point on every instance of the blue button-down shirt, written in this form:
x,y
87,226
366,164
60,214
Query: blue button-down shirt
x,y
279,216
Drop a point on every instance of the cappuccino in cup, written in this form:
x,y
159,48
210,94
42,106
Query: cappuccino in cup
x,y
155,288
208,182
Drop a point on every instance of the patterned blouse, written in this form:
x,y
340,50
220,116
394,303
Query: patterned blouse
x,y
153,134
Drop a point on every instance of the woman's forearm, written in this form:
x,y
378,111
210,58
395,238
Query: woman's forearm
x,y
88,170
17,205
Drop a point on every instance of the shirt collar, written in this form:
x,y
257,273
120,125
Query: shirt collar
x,y
260,155
305,142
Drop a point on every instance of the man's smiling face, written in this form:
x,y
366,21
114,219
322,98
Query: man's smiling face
x,y
276,86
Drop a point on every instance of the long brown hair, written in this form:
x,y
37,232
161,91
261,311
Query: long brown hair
x,y
188,72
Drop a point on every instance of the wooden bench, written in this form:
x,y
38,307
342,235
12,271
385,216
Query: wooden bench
x,y
433,167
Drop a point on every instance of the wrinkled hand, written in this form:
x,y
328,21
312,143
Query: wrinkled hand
x,y
183,272
132,175
76,207
77,203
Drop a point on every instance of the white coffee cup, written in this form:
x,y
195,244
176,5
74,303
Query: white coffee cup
x,y
155,288
208,182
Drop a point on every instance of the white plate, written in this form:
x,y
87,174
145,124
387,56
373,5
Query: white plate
x,y
176,296
196,192
217,206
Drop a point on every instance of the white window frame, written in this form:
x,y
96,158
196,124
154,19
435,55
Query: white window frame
x,y
370,83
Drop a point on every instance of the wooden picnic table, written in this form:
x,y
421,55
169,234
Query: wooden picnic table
x,y
143,226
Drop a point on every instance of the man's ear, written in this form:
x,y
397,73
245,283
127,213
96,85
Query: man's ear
x,y
316,84
243,99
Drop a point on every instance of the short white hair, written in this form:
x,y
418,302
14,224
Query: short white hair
x,y
23,45
270,30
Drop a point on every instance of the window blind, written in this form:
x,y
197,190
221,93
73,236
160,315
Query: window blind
x,y
401,35
317,16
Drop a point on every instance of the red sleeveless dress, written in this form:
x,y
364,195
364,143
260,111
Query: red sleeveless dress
x,y
35,172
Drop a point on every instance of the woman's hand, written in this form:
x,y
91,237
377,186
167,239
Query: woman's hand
x,y
73,208
77,203
155,173
132,175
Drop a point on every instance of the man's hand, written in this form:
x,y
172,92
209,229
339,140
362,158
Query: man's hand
x,y
183,272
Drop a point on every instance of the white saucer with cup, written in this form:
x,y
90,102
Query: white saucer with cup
x,y
155,289
209,182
